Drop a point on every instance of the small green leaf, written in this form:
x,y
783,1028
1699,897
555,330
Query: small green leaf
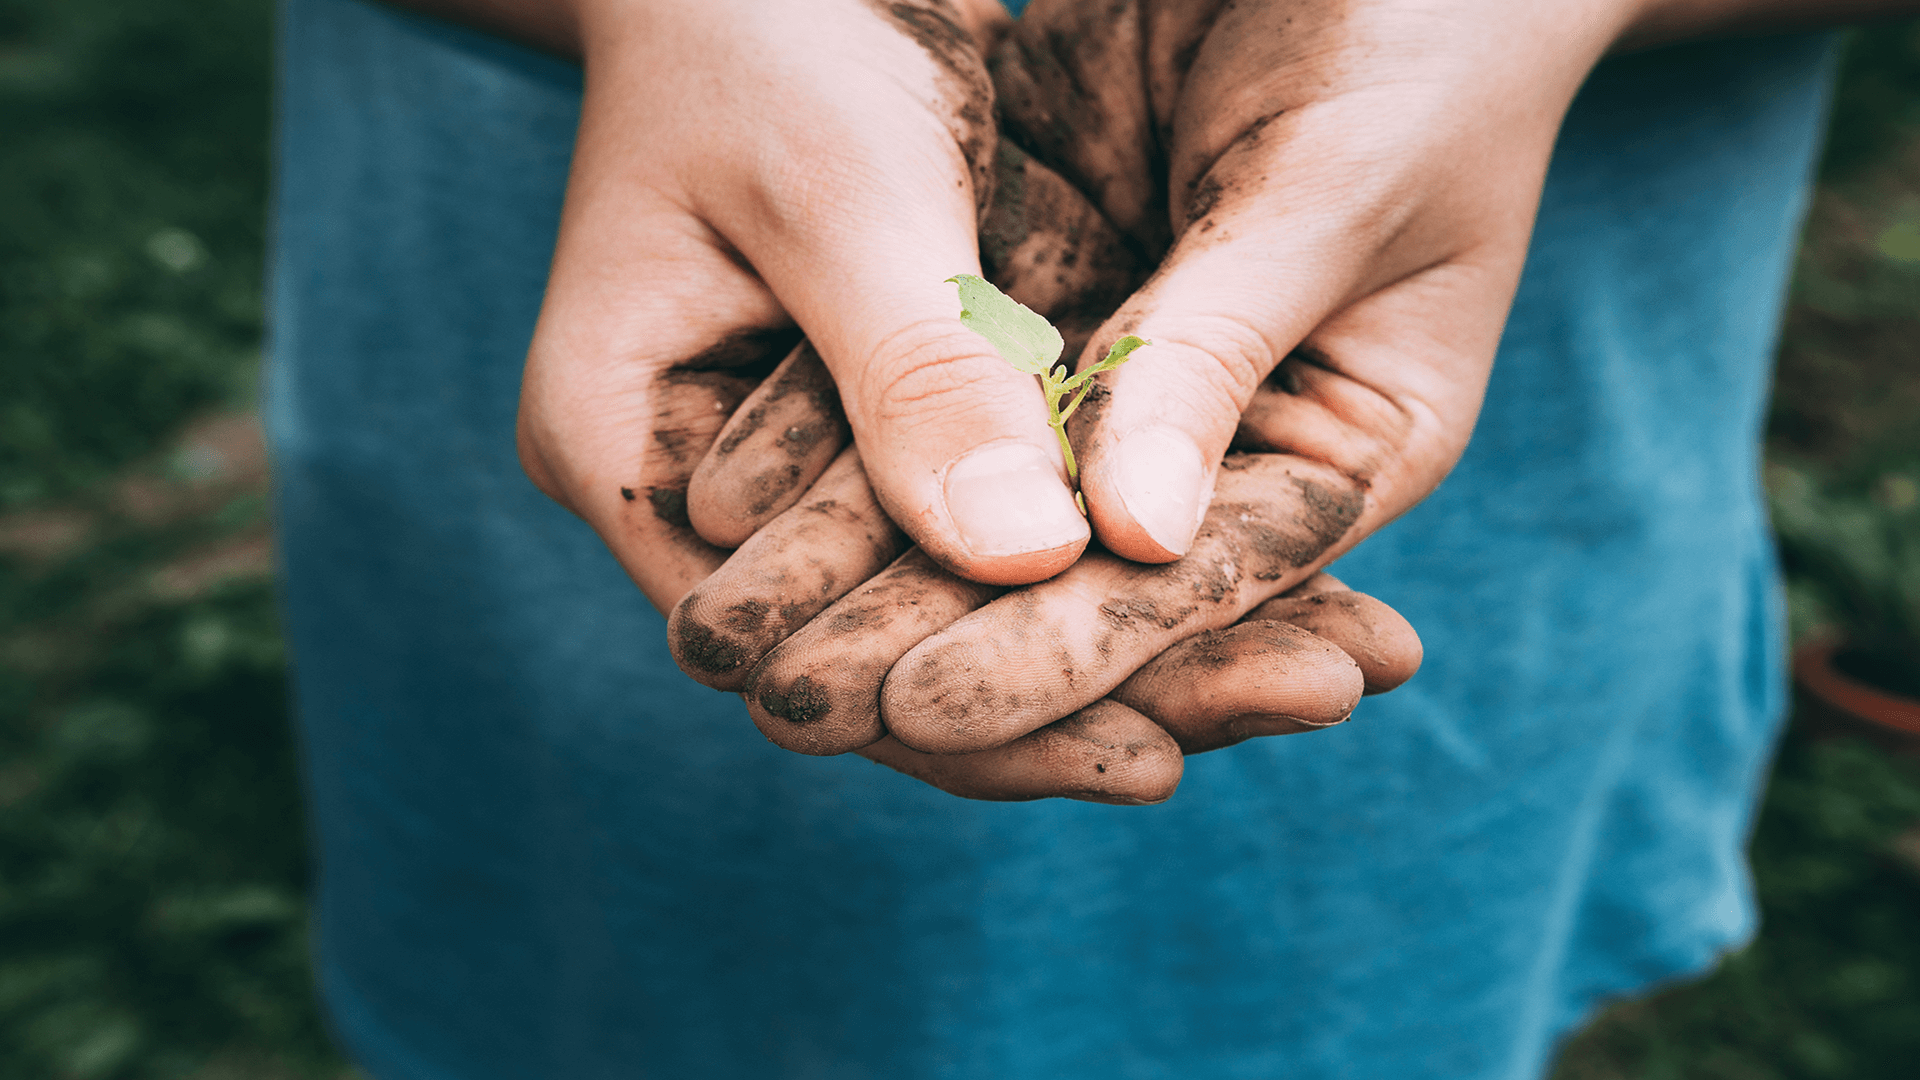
x,y
1116,356
1023,337
1121,349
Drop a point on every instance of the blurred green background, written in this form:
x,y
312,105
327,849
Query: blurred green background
x,y
152,865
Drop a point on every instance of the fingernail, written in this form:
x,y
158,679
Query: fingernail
x,y
1159,472
1006,499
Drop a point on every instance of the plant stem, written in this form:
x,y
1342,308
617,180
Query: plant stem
x,y
1085,389
1059,424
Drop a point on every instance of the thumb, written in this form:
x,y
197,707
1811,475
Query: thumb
x,y
1279,248
1249,353
1151,434
956,442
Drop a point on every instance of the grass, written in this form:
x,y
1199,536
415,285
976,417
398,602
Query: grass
x,y
152,865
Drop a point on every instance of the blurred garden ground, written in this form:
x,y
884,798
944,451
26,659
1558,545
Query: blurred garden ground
x,y
152,866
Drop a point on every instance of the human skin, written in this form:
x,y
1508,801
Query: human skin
x,y
1411,138
803,565
1268,676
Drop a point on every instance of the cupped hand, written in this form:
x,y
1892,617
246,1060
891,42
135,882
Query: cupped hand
x,y
706,205
1342,193
1092,685
842,637
746,169
825,596
1343,190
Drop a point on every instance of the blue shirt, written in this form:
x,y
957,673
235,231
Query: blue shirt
x,y
545,853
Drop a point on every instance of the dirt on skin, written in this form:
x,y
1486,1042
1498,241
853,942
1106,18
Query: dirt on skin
x,y
1377,637
779,441
750,354
669,505
1095,91
1043,242
1323,514
1228,174
805,373
697,648
801,702
1104,753
689,409
818,692
829,543
1071,94
692,402
966,91
1272,516
1222,687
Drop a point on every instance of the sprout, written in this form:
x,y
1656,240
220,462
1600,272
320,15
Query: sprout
x,y
1025,339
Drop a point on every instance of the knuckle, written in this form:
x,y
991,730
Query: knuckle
x,y
933,367
1221,363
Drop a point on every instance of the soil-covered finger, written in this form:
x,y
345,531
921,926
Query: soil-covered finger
x,y
1378,638
1220,687
652,537
1103,753
835,538
777,443
1043,651
818,692
1322,582
1041,241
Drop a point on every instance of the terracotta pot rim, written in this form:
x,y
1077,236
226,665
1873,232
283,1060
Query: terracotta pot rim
x,y
1813,669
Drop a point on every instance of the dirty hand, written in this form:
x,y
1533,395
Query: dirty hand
x,y
826,594
1344,199
675,374
1342,193
840,636
745,167
1092,686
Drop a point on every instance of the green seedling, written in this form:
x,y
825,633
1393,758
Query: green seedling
x,y
1024,338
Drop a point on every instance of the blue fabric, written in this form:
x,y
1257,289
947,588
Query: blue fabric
x,y
545,853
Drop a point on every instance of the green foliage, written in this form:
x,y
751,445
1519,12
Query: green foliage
x,y
153,912
1877,104
152,861
133,151
1857,554
1027,341
1023,337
